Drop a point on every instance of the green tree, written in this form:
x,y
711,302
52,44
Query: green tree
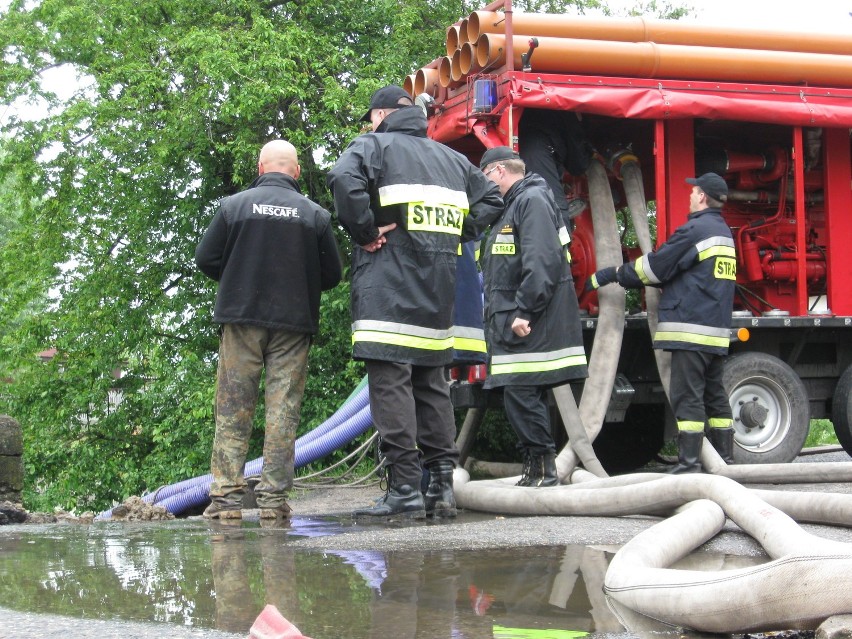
x,y
116,183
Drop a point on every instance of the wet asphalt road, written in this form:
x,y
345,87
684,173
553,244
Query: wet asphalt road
x,y
469,531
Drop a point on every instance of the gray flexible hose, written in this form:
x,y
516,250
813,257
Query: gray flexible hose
x,y
634,191
603,360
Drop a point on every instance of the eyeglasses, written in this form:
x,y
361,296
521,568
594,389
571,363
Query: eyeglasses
x,y
492,169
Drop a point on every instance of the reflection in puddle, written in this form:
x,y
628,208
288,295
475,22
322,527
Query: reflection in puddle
x,y
212,576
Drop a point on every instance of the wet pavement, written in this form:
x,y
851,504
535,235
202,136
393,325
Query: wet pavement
x,y
479,576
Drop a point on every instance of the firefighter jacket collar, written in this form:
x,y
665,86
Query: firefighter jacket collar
x,y
530,180
274,178
407,120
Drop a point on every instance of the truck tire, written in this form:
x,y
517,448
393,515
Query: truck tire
x,y
770,406
626,446
841,410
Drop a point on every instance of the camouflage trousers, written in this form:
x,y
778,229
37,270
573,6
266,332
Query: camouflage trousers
x,y
245,351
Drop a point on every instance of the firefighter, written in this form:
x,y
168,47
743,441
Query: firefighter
x,y
532,320
551,142
407,202
696,268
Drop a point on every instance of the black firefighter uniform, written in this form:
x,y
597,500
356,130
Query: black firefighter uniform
x,y
522,280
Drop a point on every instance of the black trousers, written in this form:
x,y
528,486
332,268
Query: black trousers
x,y
696,392
412,411
527,412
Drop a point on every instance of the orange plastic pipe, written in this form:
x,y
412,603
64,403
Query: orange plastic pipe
x,y
426,81
453,38
455,66
467,59
445,71
650,60
408,84
659,31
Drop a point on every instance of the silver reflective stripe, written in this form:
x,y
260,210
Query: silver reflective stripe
x,y
644,271
404,193
698,329
715,247
537,357
468,332
402,329
504,238
718,240
564,236
692,334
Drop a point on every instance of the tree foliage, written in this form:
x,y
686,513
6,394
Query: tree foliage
x,y
116,182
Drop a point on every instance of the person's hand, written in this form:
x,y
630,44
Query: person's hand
x,y
521,327
381,240
601,278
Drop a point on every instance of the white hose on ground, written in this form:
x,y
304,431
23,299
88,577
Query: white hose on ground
x,y
809,578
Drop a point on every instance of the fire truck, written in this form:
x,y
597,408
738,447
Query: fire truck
x,y
771,112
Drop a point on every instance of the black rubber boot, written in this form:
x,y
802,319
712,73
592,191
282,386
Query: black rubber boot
x,y
688,451
440,501
540,471
723,441
401,501
525,472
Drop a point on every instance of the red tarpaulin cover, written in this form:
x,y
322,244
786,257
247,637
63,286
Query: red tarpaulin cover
x,y
658,99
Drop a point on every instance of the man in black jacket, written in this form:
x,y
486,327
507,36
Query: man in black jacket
x,y
532,322
408,202
697,270
273,252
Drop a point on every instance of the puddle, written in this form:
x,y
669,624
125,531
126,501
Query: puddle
x,y
196,574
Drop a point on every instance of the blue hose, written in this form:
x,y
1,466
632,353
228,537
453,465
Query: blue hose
x,y
352,419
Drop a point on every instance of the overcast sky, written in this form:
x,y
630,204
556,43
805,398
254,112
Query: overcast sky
x,y
812,15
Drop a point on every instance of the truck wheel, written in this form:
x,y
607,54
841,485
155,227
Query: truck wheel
x,y
770,406
841,410
625,446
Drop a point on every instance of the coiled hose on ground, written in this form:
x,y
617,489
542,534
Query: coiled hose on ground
x,y
638,581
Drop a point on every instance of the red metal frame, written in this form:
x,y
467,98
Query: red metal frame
x,y
674,107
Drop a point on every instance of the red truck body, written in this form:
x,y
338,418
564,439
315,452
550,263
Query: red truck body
x,y
784,150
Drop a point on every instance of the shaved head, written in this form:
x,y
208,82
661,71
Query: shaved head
x,y
279,156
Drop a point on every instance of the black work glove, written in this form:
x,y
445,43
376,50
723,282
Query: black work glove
x,y
601,278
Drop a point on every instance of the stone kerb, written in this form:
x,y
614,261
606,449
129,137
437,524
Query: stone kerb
x,y
11,460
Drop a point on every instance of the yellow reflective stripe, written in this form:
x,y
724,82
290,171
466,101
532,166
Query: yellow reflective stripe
x,y
720,422
469,338
435,218
716,245
469,344
538,362
408,341
643,269
405,193
725,268
692,334
503,249
406,335
691,338
538,367
717,251
692,427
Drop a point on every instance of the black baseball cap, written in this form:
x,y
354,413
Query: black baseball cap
x,y
389,97
712,184
497,154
